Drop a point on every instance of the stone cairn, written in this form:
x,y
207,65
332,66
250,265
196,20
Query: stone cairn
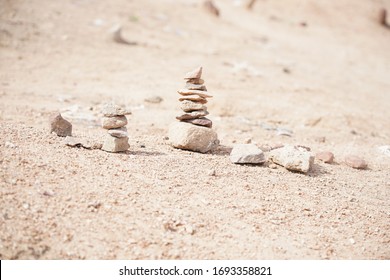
x,y
194,131
115,121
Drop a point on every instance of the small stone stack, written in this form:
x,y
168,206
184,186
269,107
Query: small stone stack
x,y
194,131
115,121
194,100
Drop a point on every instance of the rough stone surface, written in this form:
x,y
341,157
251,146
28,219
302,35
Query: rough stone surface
x,y
292,158
355,162
196,81
111,110
186,136
201,121
247,153
118,132
192,115
326,157
60,126
195,86
80,142
194,98
194,74
200,93
114,122
189,106
114,144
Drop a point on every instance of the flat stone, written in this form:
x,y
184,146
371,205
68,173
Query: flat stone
x,y
247,154
118,132
114,122
200,93
189,106
72,141
192,115
292,158
326,157
194,74
355,162
202,122
195,81
195,138
194,98
195,86
111,110
154,99
115,145
80,142
60,126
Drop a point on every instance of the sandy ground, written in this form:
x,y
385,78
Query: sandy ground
x,y
318,68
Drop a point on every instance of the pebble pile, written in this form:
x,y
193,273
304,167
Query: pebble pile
x,y
115,121
193,100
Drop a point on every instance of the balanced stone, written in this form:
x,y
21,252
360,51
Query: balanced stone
x,y
195,81
111,110
114,122
195,86
194,98
189,106
192,115
200,93
118,132
60,126
114,144
195,74
202,122
186,136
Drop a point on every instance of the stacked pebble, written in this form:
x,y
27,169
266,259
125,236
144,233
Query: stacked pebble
x,y
115,121
194,100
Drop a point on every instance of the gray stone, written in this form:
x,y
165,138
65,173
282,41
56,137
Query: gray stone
x,y
355,162
200,93
186,136
114,144
189,106
192,115
201,121
111,110
292,158
194,74
195,86
194,98
247,153
114,122
60,126
118,132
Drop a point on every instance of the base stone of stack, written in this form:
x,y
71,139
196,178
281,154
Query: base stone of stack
x,y
115,145
191,137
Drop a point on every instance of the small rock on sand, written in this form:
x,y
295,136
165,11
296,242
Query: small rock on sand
x,y
60,126
292,158
326,157
114,122
114,144
246,153
355,162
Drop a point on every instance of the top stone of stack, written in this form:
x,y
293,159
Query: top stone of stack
x,y
195,74
113,110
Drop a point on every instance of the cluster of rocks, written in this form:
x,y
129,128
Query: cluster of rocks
x,y
193,131
115,121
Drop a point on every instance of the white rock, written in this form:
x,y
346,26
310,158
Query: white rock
x,y
192,137
385,150
246,153
292,158
114,144
111,110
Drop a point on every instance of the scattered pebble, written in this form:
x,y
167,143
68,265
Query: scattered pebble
x,y
292,158
284,132
60,126
10,145
246,153
355,162
212,172
154,99
79,142
385,150
326,157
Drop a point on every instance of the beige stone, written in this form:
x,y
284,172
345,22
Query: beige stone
x,y
192,115
114,122
114,144
192,137
292,158
326,157
187,92
195,86
194,74
189,106
194,98
201,121
118,132
195,81
247,154
355,162
111,110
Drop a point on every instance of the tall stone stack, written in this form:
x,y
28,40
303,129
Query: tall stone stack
x,y
115,121
193,131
